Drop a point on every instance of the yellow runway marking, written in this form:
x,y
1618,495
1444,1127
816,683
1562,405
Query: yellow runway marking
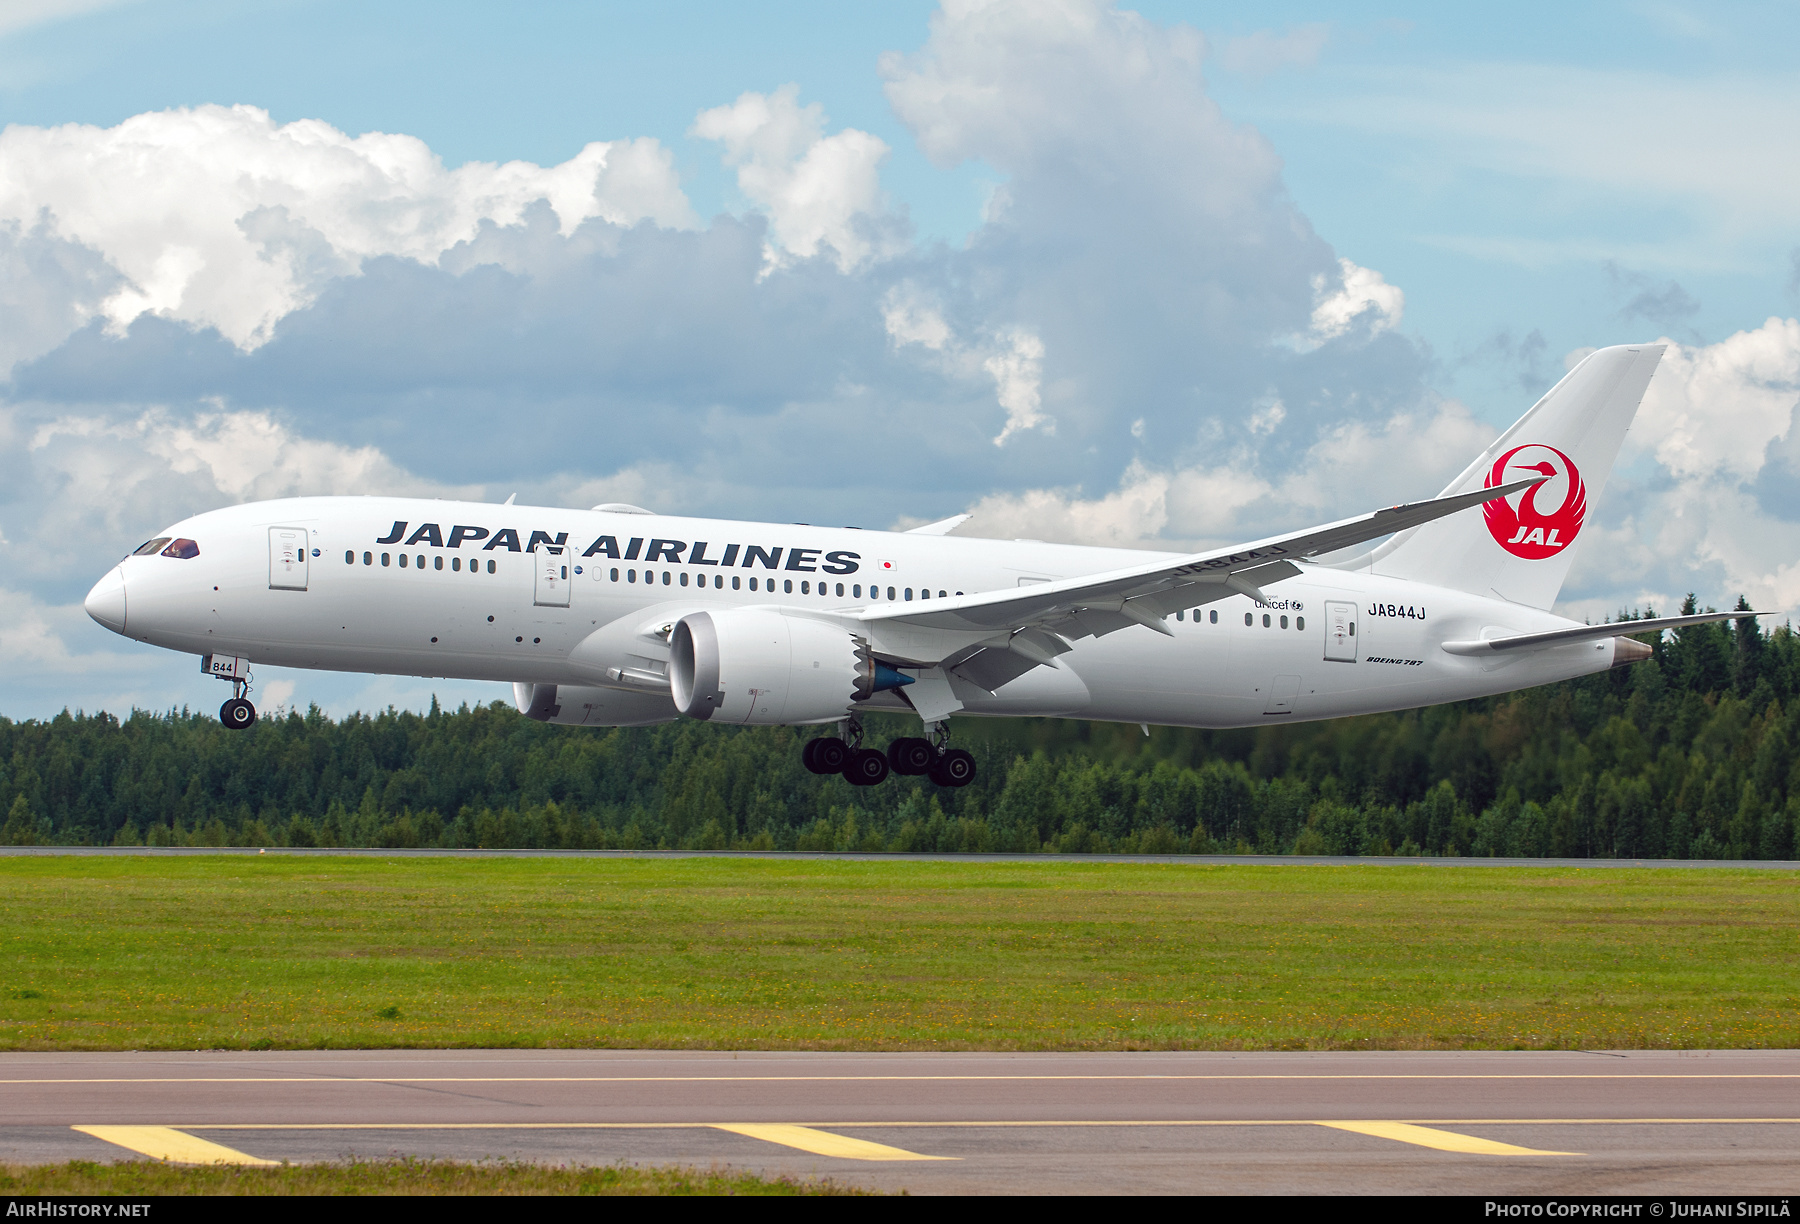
x,y
1442,1140
821,1143
167,1143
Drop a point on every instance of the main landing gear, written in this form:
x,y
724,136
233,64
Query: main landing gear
x,y
909,756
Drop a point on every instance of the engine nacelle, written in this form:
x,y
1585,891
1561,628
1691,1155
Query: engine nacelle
x,y
761,667
581,706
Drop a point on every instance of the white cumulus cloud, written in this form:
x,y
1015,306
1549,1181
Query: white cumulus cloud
x,y
1358,297
1714,409
818,191
1017,366
1718,511
220,217
1012,357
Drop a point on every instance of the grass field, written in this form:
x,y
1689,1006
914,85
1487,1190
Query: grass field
x,y
392,1177
277,952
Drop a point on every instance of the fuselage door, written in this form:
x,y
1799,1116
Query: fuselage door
x,y
287,558
552,589
1340,632
1282,692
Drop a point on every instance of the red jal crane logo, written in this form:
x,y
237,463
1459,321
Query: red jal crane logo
x,y
1524,529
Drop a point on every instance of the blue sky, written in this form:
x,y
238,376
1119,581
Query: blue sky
x,y
1143,275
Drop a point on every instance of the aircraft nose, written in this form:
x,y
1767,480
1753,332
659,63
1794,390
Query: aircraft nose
x,y
106,602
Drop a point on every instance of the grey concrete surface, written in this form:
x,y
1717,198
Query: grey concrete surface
x,y
1715,1122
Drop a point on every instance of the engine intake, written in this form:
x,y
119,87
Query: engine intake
x,y
765,668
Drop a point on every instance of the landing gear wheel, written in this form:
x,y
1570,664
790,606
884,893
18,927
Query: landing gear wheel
x,y
826,755
954,768
911,756
238,714
867,767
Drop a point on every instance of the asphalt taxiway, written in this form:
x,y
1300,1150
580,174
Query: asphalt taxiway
x,y
1717,1122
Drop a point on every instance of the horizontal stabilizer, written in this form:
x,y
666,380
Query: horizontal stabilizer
x,y
1587,633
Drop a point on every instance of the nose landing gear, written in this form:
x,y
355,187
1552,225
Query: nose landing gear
x,y
238,714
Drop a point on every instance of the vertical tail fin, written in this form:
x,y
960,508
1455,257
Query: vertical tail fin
x,y
1520,547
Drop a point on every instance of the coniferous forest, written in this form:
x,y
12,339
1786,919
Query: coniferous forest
x,y
1694,753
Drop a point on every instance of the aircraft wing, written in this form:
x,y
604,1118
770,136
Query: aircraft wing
x,y
1042,618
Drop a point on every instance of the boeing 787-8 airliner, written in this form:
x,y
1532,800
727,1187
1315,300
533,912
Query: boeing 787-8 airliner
x,y
615,616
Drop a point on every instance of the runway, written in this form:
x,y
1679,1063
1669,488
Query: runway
x,y
1562,1123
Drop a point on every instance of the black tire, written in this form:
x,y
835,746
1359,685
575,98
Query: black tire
x,y
867,767
826,755
238,714
911,756
954,768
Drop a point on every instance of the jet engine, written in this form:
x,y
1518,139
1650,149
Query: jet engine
x,y
766,668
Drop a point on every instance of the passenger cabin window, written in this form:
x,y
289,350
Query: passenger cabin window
x,y
787,587
455,564
1213,616
1249,619
386,559
490,567
349,557
368,558
1300,623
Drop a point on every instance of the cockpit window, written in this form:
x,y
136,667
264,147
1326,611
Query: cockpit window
x,y
182,550
149,547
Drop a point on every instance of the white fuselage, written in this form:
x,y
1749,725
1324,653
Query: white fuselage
x,y
459,592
